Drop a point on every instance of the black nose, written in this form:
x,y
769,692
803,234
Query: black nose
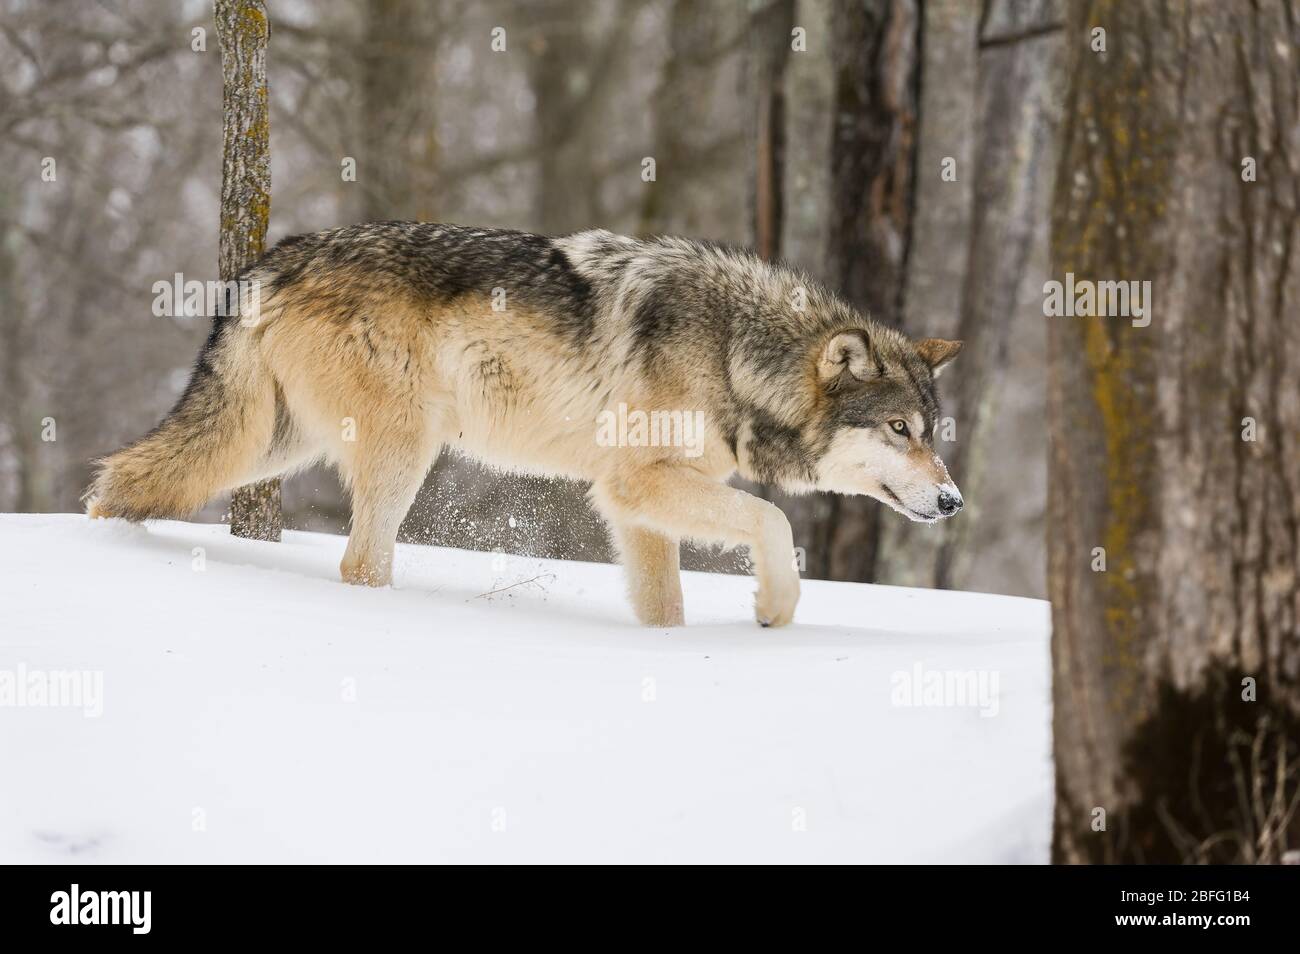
x,y
948,504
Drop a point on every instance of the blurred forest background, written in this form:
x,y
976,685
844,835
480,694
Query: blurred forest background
x,y
935,161
816,131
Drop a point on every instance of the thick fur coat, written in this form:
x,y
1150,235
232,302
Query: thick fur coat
x,y
653,368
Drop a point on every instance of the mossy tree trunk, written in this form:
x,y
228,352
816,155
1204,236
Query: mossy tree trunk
x,y
1175,447
243,31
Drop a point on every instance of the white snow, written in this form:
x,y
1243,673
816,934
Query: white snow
x,y
258,710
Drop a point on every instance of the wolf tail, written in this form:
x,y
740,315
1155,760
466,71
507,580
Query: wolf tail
x,y
213,439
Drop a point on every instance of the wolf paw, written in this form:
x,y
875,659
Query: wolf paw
x,y
662,614
775,600
365,574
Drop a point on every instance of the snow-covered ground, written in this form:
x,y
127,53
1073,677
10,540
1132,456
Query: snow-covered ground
x,y
238,703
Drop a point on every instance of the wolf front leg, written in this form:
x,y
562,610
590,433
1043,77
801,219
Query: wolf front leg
x,y
654,578
384,474
682,502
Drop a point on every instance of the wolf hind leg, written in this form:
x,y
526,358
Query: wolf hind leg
x,y
652,564
384,475
290,450
682,502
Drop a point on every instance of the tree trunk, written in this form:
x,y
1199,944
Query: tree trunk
x,y
1176,667
399,163
243,31
684,123
15,358
988,113
562,74
770,51
947,134
874,50
1014,108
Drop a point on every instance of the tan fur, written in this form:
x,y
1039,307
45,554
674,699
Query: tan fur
x,y
654,578
177,469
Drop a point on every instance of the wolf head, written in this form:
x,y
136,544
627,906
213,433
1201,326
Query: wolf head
x,y
881,418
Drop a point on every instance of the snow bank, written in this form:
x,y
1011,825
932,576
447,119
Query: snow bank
x,y
494,709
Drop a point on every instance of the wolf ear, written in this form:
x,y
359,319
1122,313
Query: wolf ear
x,y
847,350
937,353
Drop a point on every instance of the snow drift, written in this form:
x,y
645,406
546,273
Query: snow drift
x,y
492,708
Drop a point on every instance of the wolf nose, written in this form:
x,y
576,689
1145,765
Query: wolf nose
x,y
949,504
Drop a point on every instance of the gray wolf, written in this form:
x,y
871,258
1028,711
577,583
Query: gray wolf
x,y
653,368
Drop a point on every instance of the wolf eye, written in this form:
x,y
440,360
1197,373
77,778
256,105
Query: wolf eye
x,y
899,427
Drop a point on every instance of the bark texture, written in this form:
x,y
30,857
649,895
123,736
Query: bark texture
x,y
1017,41
695,132
399,156
1156,659
874,50
770,41
243,31
990,101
